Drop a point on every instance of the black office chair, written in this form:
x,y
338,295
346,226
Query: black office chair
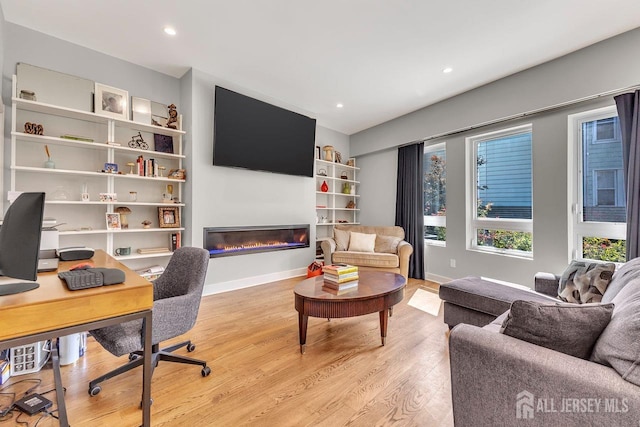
x,y
176,300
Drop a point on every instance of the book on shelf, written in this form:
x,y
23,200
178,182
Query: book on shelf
x,y
174,239
341,279
340,286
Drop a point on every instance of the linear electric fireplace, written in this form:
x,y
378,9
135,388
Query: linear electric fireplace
x,y
227,241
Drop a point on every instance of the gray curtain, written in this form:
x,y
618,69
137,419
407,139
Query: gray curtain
x,y
628,105
410,203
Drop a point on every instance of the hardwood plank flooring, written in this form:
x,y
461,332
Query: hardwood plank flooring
x,y
249,338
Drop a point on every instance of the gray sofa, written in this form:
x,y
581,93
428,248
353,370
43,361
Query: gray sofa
x,y
499,380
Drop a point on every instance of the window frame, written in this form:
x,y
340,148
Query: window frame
x,y
472,221
616,134
578,229
435,220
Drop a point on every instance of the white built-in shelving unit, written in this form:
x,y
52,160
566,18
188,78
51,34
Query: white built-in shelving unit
x,y
331,205
78,164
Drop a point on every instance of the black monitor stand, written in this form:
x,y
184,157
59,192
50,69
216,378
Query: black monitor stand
x,y
9,286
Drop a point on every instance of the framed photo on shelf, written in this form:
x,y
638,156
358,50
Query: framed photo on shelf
x,y
169,217
111,102
163,143
113,221
318,157
141,110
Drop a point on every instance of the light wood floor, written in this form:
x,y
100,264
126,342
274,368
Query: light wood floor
x,y
250,340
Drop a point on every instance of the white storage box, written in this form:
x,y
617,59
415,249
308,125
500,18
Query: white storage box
x,y
29,358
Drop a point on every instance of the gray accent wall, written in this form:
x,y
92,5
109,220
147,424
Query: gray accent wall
x,y
224,197
605,66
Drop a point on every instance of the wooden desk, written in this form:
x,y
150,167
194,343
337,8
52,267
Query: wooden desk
x,y
53,311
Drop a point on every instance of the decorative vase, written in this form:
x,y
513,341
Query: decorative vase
x,y
324,187
346,188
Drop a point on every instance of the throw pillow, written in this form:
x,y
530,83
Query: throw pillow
x,y
360,242
585,282
619,344
387,244
568,328
342,239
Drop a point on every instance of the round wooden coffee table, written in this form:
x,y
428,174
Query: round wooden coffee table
x,y
376,292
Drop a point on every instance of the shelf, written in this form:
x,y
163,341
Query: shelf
x,y
338,223
337,194
342,165
90,173
43,139
72,113
128,230
337,209
350,181
141,256
93,203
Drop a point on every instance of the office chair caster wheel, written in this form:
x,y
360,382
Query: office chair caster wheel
x,y
206,371
95,390
142,403
191,347
132,357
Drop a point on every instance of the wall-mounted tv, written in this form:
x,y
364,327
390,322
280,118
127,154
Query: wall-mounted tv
x,y
252,134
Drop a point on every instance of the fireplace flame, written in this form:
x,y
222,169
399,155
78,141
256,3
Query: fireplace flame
x,y
253,245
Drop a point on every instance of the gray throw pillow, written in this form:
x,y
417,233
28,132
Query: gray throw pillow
x,y
568,328
619,344
585,282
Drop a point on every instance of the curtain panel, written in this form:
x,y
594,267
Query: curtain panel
x,y
628,106
410,203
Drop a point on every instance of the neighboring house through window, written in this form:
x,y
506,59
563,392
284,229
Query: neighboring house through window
x,y
499,190
598,208
434,187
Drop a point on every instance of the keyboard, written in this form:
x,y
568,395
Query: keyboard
x,y
81,279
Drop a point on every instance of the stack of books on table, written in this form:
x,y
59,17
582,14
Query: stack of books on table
x,y
340,277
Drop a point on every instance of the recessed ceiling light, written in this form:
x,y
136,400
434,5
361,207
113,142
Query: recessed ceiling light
x,y
447,70
170,30
339,105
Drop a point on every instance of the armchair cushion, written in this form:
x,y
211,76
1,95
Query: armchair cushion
x,y
387,244
361,242
341,238
568,328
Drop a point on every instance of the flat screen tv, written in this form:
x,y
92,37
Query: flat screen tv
x,y
252,134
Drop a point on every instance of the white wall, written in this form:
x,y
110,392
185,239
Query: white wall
x,y
606,66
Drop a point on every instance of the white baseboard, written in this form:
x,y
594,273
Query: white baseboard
x,y
247,282
438,279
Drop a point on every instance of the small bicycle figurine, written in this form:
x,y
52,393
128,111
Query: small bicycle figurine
x,y
138,142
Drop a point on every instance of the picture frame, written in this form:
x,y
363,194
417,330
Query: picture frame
x,y
110,168
108,197
141,110
111,102
163,143
318,156
113,221
169,217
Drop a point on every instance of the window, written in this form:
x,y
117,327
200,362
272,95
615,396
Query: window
x,y
499,191
434,187
605,130
598,209
608,187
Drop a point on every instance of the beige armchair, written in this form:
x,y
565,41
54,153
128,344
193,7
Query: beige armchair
x,y
390,252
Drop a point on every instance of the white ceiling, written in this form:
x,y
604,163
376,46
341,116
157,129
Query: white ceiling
x,y
380,58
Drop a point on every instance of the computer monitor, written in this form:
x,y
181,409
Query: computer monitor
x,y
20,243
